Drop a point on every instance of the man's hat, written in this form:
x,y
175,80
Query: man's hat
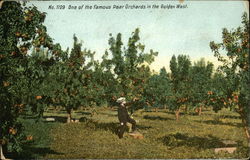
x,y
121,100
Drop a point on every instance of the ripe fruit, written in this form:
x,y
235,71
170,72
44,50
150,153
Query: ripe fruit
x,y
38,97
6,84
18,34
209,92
24,49
12,131
235,99
29,138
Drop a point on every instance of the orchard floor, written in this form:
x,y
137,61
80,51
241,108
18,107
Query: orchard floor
x,y
95,136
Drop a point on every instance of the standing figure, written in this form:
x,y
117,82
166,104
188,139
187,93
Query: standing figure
x,y
124,117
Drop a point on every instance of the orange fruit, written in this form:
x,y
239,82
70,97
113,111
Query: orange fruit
x,y
38,97
6,84
29,138
12,131
18,34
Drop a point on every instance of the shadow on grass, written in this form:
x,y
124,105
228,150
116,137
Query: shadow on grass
x,y
196,114
216,122
156,118
109,114
173,113
112,126
56,111
31,152
178,140
142,127
210,114
231,117
60,119
83,112
83,119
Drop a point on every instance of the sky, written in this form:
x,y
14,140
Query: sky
x,y
167,31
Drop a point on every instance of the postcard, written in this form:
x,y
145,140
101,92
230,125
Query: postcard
x,y
124,79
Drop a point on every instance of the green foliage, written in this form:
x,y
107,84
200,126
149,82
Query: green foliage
x,y
130,67
236,67
219,94
72,76
50,76
157,90
200,79
180,79
25,77
21,80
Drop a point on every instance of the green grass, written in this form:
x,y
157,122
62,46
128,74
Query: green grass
x,y
95,136
40,145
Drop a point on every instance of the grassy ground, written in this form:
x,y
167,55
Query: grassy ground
x,y
95,136
39,146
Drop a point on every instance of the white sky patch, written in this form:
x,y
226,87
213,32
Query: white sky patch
x,y
164,61
167,31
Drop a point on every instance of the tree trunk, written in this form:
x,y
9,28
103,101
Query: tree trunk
x,y
245,124
186,109
1,153
246,129
69,118
196,110
247,132
200,109
165,107
177,114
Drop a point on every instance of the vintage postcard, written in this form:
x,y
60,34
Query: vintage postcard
x,y
124,79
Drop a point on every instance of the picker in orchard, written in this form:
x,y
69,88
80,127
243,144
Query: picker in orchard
x,y
124,117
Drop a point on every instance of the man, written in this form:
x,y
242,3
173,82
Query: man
x,y
124,117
